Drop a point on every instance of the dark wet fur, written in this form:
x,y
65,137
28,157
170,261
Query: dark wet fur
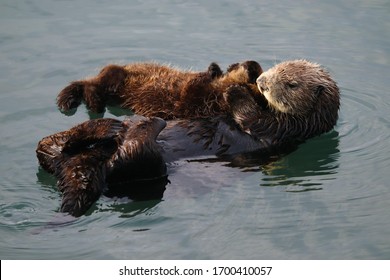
x,y
96,157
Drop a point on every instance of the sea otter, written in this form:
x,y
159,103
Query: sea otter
x,y
152,89
302,102
105,156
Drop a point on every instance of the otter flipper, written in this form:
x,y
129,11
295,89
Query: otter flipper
x,y
77,158
81,179
92,133
50,148
101,132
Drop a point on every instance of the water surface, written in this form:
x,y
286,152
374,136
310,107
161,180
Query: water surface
x,y
329,199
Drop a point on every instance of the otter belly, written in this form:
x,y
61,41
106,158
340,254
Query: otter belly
x,y
197,138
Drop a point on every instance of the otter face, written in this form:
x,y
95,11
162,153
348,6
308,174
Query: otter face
x,y
298,87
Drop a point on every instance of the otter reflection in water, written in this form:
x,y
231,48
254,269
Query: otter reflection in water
x,y
299,101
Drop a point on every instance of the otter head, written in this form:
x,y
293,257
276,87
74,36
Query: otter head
x,y
302,96
298,87
244,72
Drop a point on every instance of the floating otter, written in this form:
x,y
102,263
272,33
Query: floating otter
x,y
105,156
302,102
151,89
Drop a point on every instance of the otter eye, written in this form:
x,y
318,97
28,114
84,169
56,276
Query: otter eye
x,y
292,84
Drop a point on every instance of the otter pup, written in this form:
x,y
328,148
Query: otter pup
x,y
151,89
105,156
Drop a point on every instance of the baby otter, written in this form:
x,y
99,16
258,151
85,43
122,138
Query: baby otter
x,y
105,156
151,89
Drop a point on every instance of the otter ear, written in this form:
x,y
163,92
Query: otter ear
x,y
320,89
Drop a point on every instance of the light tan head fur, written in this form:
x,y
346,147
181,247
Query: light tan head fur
x,y
299,87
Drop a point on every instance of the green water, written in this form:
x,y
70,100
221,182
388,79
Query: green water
x,y
330,199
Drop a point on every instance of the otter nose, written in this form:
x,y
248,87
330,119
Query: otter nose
x,y
260,80
261,83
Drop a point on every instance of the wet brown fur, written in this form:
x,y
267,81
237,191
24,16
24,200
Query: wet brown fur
x,y
152,89
102,155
